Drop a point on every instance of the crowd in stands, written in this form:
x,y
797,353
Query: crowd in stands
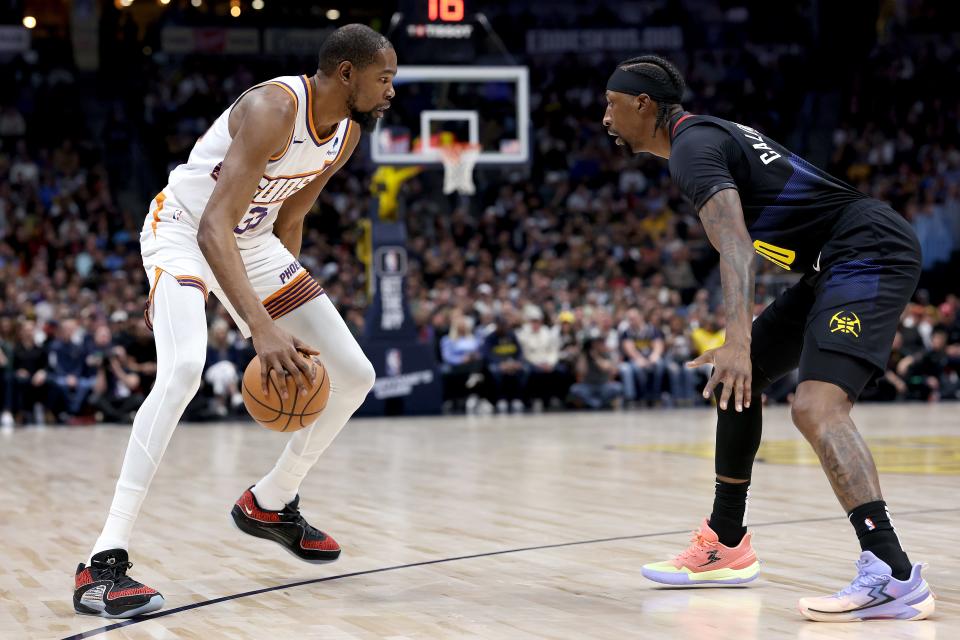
x,y
586,281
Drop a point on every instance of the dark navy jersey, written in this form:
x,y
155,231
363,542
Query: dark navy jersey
x,y
789,205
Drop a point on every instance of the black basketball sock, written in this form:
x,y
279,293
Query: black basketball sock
x,y
729,510
875,531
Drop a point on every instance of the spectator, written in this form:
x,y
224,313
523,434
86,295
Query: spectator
x,y
541,353
222,371
596,387
503,358
678,352
891,386
29,376
643,365
141,352
71,374
933,375
462,362
6,373
116,393
569,343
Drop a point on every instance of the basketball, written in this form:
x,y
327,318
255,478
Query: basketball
x,y
272,411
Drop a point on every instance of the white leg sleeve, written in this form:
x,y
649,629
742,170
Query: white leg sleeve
x,y
180,331
319,325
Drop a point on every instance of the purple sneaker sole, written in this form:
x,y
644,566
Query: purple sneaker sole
x,y
914,606
722,576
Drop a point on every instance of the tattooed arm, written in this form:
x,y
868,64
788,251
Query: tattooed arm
x,y
722,218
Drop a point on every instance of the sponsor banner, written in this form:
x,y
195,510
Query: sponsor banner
x,y
14,39
408,379
294,41
85,35
596,40
184,40
408,382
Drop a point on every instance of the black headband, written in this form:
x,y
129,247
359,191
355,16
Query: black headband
x,y
634,84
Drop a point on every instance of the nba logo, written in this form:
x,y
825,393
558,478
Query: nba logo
x,y
869,523
391,262
394,362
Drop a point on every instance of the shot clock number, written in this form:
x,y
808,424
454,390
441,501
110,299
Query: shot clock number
x,y
445,10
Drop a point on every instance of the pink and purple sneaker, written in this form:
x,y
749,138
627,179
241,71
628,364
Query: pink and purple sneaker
x,y
707,561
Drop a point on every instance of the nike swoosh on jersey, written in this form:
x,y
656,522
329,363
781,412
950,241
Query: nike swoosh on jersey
x,y
816,267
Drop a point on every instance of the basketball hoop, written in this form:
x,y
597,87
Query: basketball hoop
x,y
458,163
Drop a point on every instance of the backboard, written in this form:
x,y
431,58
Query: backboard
x,y
436,105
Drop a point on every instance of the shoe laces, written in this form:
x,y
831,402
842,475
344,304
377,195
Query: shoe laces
x,y
863,580
698,543
118,573
297,519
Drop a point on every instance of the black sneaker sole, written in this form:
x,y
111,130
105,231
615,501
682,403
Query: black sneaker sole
x,y
243,523
156,602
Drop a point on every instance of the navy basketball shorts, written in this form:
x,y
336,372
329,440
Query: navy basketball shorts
x,y
837,324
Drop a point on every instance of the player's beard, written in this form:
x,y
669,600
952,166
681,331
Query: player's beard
x,y
366,119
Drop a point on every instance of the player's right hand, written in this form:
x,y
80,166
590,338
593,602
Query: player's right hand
x,y
731,368
281,355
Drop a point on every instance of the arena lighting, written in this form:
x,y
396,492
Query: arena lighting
x,y
333,14
235,11
29,22
257,5
164,1
196,3
126,3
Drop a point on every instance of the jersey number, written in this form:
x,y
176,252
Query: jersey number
x,y
257,214
779,256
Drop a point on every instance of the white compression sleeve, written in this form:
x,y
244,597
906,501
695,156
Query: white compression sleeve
x,y
319,325
180,331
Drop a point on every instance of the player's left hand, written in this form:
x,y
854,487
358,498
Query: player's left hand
x,y
731,366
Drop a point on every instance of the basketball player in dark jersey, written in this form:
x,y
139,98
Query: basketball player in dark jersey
x,y
860,263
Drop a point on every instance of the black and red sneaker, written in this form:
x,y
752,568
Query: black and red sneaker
x,y
105,589
286,527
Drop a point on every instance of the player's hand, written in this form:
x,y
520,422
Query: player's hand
x,y
731,366
280,355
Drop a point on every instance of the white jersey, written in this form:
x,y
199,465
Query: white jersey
x,y
305,156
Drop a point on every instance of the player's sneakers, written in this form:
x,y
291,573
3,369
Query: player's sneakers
x,y
286,527
105,589
873,595
706,561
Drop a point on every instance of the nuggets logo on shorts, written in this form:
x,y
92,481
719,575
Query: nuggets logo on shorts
x,y
845,322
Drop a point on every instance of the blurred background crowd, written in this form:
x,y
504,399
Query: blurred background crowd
x,y
583,280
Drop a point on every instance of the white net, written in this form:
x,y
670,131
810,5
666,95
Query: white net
x,y
458,163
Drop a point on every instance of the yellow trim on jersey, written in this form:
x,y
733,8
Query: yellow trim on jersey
x,y
779,256
156,212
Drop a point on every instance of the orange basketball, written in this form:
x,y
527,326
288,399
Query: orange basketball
x,y
275,413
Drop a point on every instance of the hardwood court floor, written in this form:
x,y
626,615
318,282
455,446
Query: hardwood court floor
x,y
518,493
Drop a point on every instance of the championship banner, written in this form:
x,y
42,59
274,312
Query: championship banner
x,y
408,379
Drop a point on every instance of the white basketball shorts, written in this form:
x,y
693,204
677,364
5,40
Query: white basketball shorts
x,y
168,243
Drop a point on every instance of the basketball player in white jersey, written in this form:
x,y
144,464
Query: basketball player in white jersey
x,y
230,222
